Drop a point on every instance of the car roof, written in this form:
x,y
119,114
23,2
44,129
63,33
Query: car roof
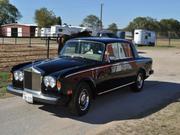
x,y
104,40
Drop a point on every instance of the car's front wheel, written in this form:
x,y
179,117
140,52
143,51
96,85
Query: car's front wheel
x,y
139,83
81,100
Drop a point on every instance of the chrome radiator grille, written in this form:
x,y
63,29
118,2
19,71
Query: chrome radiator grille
x,y
32,81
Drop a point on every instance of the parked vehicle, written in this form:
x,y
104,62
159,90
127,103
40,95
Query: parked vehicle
x,y
37,32
106,33
66,30
45,32
121,34
86,67
144,37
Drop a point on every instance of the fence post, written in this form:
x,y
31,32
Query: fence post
x,y
48,40
15,40
2,40
169,37
169,41
29,41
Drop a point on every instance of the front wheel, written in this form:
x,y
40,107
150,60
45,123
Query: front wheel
x,y
81,100
139,83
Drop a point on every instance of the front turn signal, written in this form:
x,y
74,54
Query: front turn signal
x,y
58,85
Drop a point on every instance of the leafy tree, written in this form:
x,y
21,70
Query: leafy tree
x,y
8,13
58,20
46,18
170,27
91,21
147,23
113,27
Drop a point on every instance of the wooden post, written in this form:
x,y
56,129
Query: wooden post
x,y
48,41
29,41
15,40
169,37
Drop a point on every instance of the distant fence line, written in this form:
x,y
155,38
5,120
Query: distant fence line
x,y
52,41
28,40
11,54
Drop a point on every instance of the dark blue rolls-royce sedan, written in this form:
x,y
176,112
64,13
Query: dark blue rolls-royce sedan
x,y
85,67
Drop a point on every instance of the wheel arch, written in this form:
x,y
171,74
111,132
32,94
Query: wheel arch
x,y
91,84
143,71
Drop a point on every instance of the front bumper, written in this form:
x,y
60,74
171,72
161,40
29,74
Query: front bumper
x,y
37,95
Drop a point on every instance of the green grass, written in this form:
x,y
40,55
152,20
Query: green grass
x,y
163,44
4,81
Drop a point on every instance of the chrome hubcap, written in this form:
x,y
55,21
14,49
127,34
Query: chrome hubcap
x,y
84,100
140,81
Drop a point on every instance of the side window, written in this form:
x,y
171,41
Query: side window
x,y
118,51
127,50
113,52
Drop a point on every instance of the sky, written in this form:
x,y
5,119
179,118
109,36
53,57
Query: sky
x,y
120,12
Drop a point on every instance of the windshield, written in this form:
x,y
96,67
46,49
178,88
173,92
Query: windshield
x,y
84,49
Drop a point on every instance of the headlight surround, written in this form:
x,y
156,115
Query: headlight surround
x,y
19,76
49,81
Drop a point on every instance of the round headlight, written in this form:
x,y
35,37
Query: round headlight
x,y
21,76
49,81
46,81
52,82
16,75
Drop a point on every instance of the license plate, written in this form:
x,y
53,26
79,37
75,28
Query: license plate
x,y
28,97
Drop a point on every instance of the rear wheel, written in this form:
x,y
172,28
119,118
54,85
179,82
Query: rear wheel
x,y
81,100
139,83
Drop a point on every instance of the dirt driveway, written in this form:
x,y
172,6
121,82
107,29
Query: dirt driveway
x,y
163,118
119,107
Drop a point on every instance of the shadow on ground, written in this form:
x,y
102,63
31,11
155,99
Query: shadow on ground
x,y
124,104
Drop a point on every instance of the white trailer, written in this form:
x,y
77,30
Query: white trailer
x,y
37,32
45,32
67,30
144,37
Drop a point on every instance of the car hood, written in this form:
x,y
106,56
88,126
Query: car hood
x,y
59,64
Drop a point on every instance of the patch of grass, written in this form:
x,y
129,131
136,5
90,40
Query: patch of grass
x,y
4,80
160,47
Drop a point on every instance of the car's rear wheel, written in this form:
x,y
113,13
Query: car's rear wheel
x,y
139,83
81,100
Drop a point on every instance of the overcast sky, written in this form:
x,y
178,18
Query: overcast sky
x,y
118,11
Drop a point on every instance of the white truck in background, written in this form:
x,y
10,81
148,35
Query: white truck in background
x,y
144,37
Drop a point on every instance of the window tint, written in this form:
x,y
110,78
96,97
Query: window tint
x,y
127,50
112,50
117,51
84,49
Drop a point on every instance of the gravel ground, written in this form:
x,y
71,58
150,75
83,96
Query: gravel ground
x,y
164,121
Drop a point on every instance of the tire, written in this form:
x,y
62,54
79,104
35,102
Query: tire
x,y
81,100
139,83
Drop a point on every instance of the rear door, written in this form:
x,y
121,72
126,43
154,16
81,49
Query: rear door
x,y
121,68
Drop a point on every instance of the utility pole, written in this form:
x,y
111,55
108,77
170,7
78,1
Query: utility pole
x,y
101,16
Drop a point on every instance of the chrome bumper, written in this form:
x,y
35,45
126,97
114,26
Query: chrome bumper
x,y
37,95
